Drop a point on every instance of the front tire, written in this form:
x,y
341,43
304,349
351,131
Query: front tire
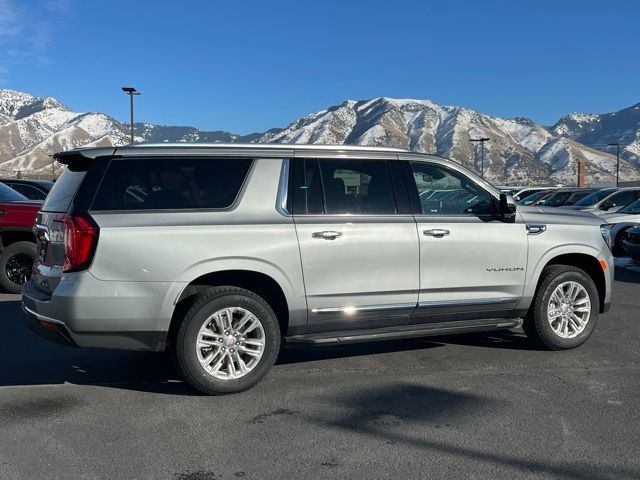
x,y
16,261
228,340
565,308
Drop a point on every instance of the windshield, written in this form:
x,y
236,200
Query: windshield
x,y
632,208
7,194
533,197
595,197
557,199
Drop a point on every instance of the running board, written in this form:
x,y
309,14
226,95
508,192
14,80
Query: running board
x,y
405,331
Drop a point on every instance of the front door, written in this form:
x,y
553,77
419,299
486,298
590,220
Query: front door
x,y
359,254
472,262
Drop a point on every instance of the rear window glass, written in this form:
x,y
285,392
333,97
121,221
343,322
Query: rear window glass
x,y
171,183
7,194
64,189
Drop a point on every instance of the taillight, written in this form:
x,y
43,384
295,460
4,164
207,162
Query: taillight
x,y
80,240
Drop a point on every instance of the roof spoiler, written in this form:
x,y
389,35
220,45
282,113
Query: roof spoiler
x,y
82,155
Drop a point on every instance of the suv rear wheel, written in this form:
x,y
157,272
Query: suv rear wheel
x,y
227,341
565,309
16,261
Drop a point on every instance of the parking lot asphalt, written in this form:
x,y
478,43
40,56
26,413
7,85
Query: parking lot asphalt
x,y
471,406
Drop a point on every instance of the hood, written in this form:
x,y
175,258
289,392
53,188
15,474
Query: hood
x,y
617,217
551,215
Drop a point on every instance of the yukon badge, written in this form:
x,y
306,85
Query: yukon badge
x,y
505,269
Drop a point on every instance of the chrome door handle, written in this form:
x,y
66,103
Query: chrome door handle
x,y
326,235
436,232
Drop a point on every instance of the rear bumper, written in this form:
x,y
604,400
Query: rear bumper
x,y
86,312
44,327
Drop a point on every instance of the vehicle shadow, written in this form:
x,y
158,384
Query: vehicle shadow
x,y
419,416
26,359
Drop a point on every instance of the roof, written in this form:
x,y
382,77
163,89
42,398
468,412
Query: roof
x,y
269,146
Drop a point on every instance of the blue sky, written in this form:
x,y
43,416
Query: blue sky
x,y
247,65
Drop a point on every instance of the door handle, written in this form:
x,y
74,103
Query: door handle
x,y
436,232
326,235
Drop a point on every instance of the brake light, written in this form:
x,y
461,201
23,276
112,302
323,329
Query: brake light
x,y
80,240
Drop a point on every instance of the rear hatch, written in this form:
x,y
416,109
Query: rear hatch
x,y
51,226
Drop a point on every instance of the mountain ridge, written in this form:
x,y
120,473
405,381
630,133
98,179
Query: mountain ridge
x,y
520,150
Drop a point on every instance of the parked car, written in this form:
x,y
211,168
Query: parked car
x,y
233,249
17,243
607,200
631,243
621,221
523,193
565,196
535,197
31,189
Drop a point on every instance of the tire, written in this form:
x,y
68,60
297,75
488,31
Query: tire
x,y
537,325
11,275
205,309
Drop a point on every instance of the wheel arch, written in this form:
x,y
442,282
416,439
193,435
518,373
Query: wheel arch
x,y
586,262
257,282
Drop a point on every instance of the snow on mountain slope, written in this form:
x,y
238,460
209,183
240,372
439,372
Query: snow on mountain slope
x,y
519,150
621,127
33,128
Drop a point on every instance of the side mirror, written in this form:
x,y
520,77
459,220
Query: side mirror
x,y
507,209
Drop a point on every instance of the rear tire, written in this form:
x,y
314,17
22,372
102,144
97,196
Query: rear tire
x,y
228,339
557,320
16,261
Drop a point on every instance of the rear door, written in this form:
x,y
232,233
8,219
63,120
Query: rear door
x,y
472,264
358,242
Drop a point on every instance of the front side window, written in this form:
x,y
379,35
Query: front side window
x,y
343,186
171,183
446,192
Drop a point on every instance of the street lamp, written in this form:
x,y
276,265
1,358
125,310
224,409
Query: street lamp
x,y
481,140
131,92
617,145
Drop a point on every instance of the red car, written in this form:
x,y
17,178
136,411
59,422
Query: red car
x,y
17,241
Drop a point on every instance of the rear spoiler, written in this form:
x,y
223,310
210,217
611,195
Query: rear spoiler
x,y
82,155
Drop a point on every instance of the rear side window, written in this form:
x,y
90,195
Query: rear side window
x,y
171,183
343,186
7,194
64,189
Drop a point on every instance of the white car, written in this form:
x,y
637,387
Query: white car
x,y
621,221
607,200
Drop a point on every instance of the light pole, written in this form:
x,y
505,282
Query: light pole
x,y
617,145
131,92
481,140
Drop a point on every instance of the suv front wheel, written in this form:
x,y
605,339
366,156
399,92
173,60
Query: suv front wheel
x,y
565,309
228,340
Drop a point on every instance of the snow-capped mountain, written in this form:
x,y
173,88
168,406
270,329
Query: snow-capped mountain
x,y
33,128
621,127
519,150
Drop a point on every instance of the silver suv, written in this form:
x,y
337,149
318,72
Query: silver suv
x,y
219,253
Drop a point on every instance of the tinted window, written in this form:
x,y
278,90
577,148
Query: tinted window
x,y
633,208
343,186
307,188
7,194
557,199
171,183
28,191
622,198
446,192
593,198
64,189
357,186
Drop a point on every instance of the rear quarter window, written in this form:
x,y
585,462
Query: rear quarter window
x,y
64,189
171,183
